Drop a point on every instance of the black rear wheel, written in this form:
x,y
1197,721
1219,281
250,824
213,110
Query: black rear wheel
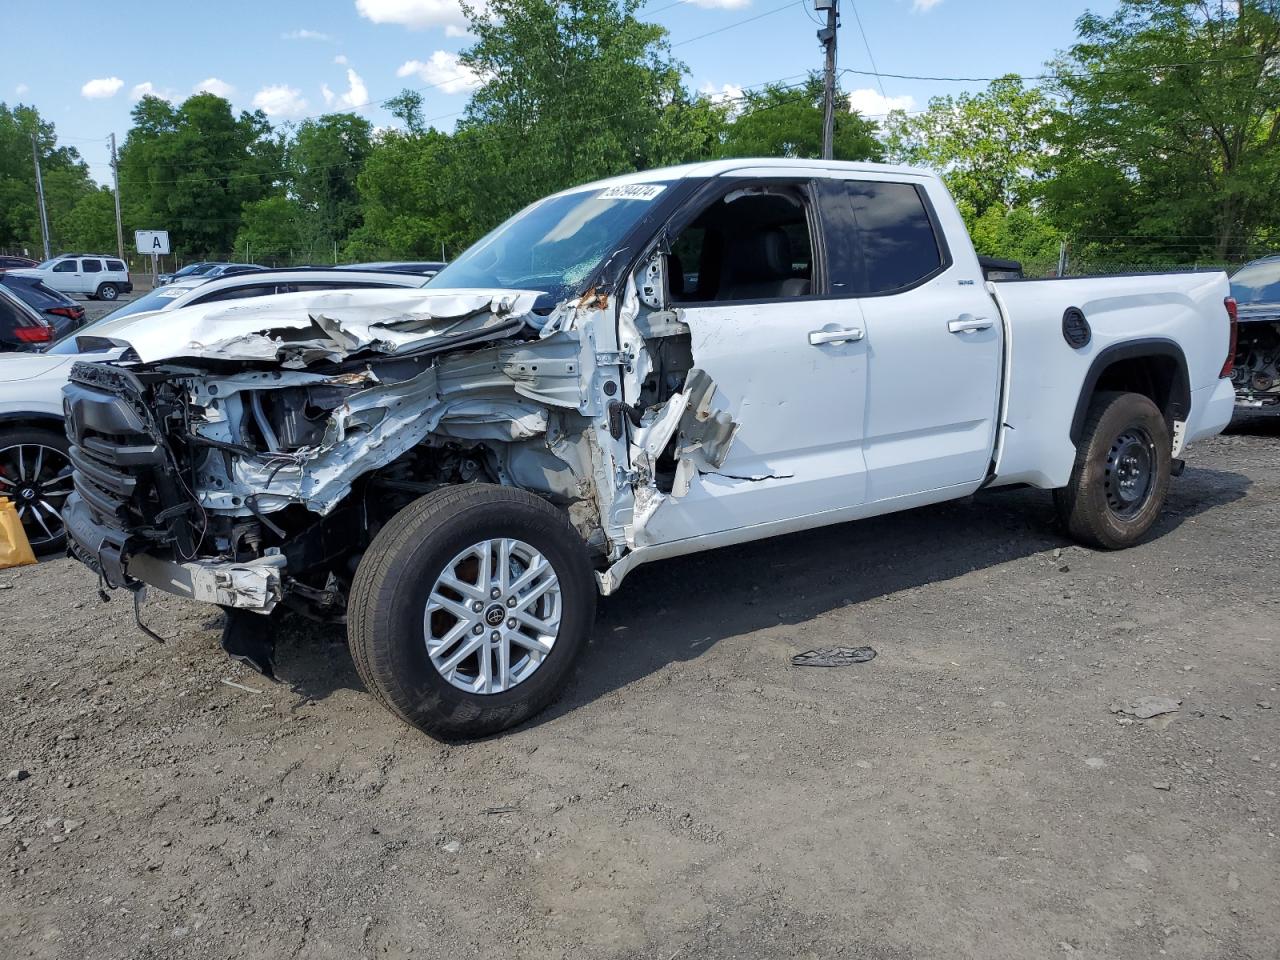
x,y
108,291
1121,475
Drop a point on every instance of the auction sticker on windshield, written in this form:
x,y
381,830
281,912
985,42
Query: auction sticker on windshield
x,y
633,191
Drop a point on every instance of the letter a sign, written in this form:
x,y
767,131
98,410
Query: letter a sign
x,y
155,242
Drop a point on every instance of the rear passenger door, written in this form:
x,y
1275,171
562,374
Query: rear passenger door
x,y
933,336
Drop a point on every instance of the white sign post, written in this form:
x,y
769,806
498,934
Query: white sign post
x,y
154,242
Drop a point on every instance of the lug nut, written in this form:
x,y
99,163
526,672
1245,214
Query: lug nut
x,y
495,593
477,606
478,628
511,601
511,623
495,636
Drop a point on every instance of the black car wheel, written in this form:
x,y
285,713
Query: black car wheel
x,y
35,473
108,291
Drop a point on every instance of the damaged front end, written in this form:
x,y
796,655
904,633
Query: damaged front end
x,y
253,469
1256,372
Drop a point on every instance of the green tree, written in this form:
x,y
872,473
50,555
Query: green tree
x,y
324,161
271,232
1167,140
90,224
988,146
191,168
65,175
569,91
780,121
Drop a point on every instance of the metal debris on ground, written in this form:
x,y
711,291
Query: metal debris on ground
x,y
833,657
1144,708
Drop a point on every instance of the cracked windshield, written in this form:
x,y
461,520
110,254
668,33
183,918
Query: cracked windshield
x,y
553,245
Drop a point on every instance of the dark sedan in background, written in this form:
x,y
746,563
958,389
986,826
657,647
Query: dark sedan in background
x,y
63,313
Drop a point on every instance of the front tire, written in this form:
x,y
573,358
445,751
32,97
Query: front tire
x,y
1121,475
469,609
108,292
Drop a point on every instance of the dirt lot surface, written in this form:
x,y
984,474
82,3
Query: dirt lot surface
x,y
968,793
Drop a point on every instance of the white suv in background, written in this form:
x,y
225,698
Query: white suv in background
x,y
92,275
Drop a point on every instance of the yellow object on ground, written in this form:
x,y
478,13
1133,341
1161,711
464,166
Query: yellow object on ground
x,y
15,550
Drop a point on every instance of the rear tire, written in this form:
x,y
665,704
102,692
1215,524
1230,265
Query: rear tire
x,y
431,586
107,291
1121,475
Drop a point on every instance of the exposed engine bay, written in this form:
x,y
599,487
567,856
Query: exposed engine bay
x,y
1256,374
264,463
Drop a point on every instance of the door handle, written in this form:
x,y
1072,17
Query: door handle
x,y
819,337
967,323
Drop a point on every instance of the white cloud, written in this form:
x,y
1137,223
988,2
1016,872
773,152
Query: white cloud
x,y
415,14
443,70
219,88
280,100
20,89
101,88
307,35
149,89
923,6
725,93
872,103
460,32
340,59
722,4
357,94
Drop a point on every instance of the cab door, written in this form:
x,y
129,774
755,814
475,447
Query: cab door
x,y
934,339
65,277
789,363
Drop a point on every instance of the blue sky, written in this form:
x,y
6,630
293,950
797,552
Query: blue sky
x,y
295,59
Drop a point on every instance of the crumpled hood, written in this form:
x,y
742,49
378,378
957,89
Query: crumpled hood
x,y
298,329
1258,311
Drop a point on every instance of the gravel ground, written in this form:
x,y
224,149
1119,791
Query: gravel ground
x,y
968,793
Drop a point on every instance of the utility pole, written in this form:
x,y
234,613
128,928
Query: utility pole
x,y
44,215
115,176
827,37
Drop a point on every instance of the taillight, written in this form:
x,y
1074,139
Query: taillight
x,y
37,334
71,313
1233,318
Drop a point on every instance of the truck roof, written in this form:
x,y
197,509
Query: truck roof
x,y
718,168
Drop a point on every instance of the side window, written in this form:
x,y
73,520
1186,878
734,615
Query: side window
x,y
92,266
65,266
238,293
753,243
116,265
886,238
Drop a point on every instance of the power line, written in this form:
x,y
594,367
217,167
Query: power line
x,y
739,23
1146,68
870,57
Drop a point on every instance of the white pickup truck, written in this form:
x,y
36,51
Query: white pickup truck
x,y
627,371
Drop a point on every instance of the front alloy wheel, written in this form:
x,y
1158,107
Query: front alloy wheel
x,y
493,616
469,609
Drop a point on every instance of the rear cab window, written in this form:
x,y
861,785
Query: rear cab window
x,y
117,266
883,237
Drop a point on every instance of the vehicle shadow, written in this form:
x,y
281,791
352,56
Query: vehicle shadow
x,y
677,609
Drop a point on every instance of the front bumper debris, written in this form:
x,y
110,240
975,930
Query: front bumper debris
x,y
253,585
256,586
